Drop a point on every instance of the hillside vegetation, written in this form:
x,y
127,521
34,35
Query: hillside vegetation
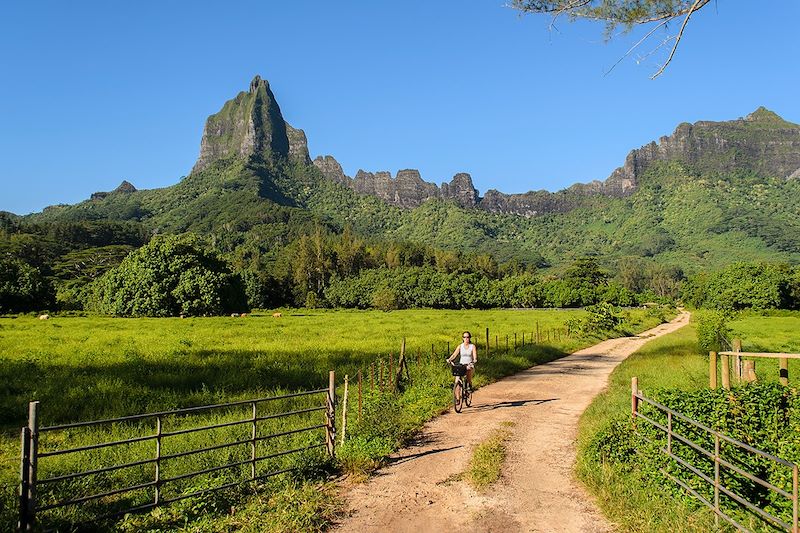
x,y
711,194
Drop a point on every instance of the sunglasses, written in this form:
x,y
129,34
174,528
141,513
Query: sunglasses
x,y
466,336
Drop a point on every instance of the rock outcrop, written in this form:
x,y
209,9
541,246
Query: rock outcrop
x,y
405,189
125,187
762,142
298,144
529,204
250,125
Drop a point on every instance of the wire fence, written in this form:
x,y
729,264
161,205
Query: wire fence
x,y
136,463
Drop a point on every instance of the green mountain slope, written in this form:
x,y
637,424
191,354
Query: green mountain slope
x,y
710,194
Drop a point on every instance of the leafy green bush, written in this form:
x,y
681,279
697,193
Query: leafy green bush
x,y
613,442
169,276
712,329
22,287
386,299
744,285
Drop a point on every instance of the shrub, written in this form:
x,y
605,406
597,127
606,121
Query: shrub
x,y
602,317
22,287
386,299
712,328
169,276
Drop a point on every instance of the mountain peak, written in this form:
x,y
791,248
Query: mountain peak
x,y
762,113
764,117
250,125
258,82
125,187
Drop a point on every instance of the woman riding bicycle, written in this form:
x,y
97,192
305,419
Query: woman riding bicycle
x,y
468,353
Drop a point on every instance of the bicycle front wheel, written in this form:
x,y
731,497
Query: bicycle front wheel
x,y
457,395
468,395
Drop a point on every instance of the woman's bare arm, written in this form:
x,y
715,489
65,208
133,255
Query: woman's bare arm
x,y
455,354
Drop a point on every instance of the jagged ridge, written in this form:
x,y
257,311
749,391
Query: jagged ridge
x,y
762,142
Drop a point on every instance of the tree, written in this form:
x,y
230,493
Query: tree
x,y
22,287
623,13
169,276
350,253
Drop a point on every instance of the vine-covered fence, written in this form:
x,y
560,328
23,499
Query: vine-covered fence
x,y
711,475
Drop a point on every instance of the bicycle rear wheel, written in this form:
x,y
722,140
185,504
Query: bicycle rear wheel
x,y
457,395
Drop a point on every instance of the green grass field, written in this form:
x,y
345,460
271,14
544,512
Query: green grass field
x,y
670,362
87,368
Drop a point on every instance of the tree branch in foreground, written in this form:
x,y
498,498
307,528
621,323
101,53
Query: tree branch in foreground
x,y
624,13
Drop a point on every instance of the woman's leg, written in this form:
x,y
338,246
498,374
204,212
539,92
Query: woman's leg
x,y
470,372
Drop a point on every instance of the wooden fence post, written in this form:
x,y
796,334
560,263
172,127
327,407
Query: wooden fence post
x,y
515,342
538,338
253,440
712,370
33,463
25,521
634,398
749,370
402,364
795,528
506,343
737,360
496,344
380,375
783,370
669,433
330,427
726,372
344,410
391,372
487,342
157,486
433,352
359,396
523,339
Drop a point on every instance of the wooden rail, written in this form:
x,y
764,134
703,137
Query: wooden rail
x,y
743,366
30,508
719,463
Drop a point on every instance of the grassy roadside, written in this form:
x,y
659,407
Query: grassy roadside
x,y
634,501
486,465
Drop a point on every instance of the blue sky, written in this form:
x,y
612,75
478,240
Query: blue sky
x,y
92,93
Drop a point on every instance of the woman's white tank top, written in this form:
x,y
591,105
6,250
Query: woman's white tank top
x,y
466,354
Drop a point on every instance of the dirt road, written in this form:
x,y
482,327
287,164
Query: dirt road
x,y
538,491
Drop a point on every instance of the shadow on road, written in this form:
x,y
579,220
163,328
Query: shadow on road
x,y
406,458
514,403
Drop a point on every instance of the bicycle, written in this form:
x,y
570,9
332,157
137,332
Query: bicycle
x,y
462,391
